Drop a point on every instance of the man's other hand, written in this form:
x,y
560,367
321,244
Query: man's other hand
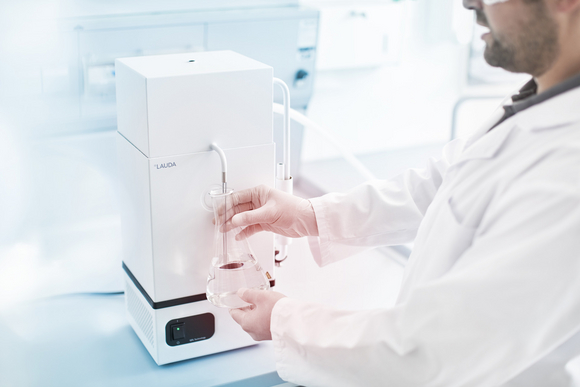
x,y
255,319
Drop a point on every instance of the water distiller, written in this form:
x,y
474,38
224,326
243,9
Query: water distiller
x,y
171,109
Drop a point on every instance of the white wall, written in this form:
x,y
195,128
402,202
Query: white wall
x,y
397,104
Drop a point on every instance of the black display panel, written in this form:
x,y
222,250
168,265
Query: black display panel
x,y
190,329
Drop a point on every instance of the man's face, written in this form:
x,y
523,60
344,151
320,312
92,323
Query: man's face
x,y
523,36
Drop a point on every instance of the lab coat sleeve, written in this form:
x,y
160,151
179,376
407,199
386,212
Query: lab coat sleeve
x,y
378,212
511,298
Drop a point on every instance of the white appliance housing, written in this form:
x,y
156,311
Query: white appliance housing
x,y
170,109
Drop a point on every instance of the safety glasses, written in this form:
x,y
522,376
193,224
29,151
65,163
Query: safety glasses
x,y
492,2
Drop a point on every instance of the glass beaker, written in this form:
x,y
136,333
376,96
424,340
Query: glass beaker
x,y
233,265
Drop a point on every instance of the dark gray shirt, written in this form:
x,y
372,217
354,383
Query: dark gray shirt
x,y
528,97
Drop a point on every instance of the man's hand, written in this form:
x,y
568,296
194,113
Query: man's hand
x,y
267,209
255,319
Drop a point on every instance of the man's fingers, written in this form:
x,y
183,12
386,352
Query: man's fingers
x,y
231,210
253,197
226,222
243,196
250,295
244,202
237,315
263,214
249,231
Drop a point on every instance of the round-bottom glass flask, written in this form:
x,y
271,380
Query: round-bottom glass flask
x,y
233,265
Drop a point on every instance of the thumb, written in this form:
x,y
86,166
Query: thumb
x,y
249,295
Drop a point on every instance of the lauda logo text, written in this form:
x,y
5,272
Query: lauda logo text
x,y
165,165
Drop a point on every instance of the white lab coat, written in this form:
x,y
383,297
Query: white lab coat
x,y
492,287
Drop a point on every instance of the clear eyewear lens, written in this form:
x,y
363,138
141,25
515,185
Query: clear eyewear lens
x,y
492,2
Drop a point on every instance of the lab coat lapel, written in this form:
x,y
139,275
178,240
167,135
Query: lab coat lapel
x,y
487,144
484,128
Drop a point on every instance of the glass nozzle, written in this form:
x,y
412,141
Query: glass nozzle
x,y
233,265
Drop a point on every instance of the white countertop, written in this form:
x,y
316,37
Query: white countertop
x,y
82,340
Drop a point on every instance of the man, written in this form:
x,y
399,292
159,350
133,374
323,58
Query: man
x,y
491,292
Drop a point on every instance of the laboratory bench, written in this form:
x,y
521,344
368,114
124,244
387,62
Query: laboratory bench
x,y
86,340
318,177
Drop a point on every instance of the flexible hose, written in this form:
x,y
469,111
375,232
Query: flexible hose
x,y
224,162
286,113
328,136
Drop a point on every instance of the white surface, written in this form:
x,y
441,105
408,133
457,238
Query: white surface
x,y
69,239
359,35
388,107
183,107
337,175
179,65
172,257
135,211
183,234
132,109
87,341
406,103
222,97
366,281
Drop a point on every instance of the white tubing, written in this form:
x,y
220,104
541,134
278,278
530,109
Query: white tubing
x,y
224,162
284,181
285,185
286,113
328,136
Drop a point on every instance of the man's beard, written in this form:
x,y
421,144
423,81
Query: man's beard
x,y
531,51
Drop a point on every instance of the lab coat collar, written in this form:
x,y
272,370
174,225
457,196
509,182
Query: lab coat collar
x,y
484,128
487,145
553,113
556,112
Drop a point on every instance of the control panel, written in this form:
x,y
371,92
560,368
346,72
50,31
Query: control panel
x,y
190,329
